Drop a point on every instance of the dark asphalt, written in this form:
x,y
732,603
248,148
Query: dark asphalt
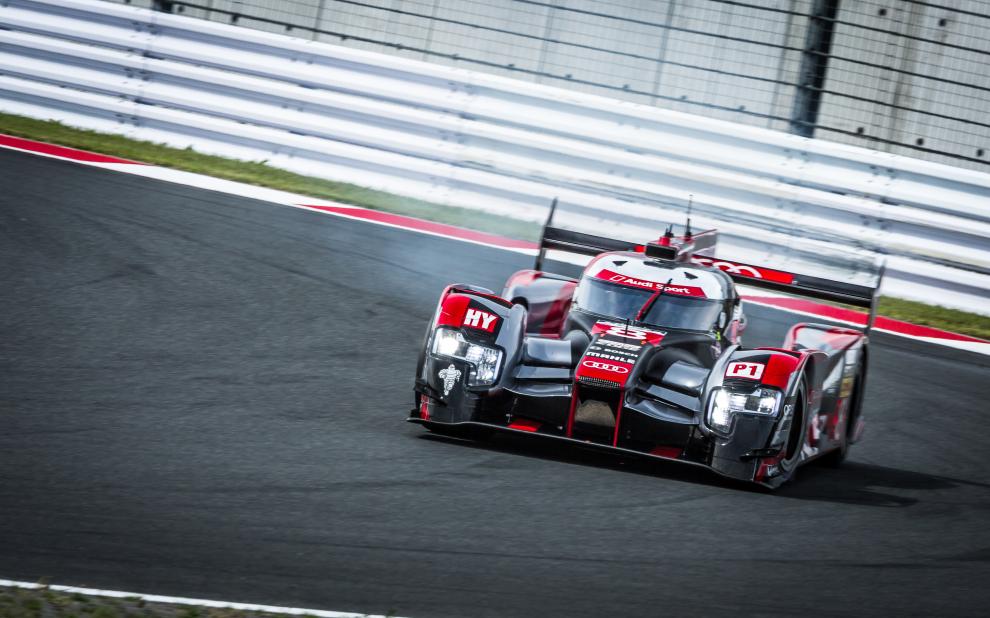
x,y
204,396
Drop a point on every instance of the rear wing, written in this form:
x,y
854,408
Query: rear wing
x,y
574,242
699,248
800,285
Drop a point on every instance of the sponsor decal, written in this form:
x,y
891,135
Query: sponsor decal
x,y
750,371
590,364
735,268
464,311
597,353
450,376
452,308
481,320
614,329
631,347
614,351
654,286
846,387
628,333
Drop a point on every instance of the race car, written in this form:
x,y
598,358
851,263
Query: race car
x,y
642,355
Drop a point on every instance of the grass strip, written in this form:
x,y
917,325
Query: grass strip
x,y
261,174
935,316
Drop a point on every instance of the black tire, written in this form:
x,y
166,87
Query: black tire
x,y
796,437
835,458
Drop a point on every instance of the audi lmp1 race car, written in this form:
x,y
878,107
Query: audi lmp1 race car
x,y
642,354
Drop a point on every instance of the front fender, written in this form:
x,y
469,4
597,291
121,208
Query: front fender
x,y
744,452
483,319
547,298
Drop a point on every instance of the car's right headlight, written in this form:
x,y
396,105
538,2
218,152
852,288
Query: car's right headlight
x,y
725,404
485,360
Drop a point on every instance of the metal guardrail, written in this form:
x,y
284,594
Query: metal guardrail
x,y
498,145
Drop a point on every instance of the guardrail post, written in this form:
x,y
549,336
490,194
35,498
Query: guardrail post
x,y
165,6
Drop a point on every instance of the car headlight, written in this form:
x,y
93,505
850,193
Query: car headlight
x,y
726,404
484,360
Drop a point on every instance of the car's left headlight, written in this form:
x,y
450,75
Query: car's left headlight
x,y
485,361
725,404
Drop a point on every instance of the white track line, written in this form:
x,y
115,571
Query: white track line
x,y
155,598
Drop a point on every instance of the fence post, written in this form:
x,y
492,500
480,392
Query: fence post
x,y
814,64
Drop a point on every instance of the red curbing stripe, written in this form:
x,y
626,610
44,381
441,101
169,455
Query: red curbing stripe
x,y
422,225
857,317
63,152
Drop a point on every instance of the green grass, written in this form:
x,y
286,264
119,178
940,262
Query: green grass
x,y
935,316
46,603
259,173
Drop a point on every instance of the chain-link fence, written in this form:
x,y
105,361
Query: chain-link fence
x,y
903,76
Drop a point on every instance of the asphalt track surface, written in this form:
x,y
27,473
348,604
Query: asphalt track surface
x,y
204,396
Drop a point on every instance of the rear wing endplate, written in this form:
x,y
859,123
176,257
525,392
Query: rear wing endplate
x,y
559,239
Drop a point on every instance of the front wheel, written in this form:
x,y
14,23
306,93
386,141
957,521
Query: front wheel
x,y
797,432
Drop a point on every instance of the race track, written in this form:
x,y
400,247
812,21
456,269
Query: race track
x,y
204,396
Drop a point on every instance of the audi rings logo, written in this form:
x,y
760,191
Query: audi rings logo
x,y
604,366
729,267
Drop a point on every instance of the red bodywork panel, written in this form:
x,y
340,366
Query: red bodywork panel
x,y
452,310
524,424
456,312
779,370
547,314
745,270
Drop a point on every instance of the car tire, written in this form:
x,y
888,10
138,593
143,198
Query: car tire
x,y
835,458
796,437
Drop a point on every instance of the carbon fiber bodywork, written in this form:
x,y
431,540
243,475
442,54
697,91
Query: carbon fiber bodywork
x,y
638,390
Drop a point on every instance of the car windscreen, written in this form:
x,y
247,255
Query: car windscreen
x,y
669,310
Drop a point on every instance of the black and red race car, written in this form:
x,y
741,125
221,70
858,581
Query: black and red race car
x,y
642,354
